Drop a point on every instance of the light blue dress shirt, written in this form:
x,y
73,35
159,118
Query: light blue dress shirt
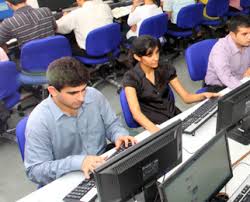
x,y
57,143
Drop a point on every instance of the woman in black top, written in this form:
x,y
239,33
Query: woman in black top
x,y
146,86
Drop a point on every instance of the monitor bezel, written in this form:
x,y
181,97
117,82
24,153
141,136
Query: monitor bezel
x,y
225,98
190,161
177,125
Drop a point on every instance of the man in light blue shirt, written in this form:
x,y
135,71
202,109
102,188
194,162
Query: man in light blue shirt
x,y
67,131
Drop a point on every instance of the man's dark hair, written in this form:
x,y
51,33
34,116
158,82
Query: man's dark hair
x,y
15,2
238,21
67,72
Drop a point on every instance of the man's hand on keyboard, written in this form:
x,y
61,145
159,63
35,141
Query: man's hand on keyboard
x,y
124,140
90,163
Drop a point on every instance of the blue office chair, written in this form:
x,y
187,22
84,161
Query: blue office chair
x,y
9,96
197,60
5,10
131,123
155,26
9,84
216,8
188,20
37,54
20,135
103,47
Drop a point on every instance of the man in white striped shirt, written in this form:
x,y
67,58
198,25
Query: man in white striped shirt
x,y
27,23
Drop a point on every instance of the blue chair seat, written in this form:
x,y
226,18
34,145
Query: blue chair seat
x,y
94,61
32,80
182,34
12,100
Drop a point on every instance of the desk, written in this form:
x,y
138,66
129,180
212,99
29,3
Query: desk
x,y
59,188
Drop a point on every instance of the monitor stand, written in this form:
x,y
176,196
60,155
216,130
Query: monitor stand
x,y
239,135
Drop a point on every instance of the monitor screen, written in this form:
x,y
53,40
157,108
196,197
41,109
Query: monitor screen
x,y
56,5
131,171
233,113
202,176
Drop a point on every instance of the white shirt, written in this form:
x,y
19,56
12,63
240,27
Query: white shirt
x,y
175,6
91,15
139,14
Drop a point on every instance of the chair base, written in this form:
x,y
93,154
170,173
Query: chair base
x,y
9,135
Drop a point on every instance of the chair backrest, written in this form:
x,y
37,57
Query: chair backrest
x,y
131,123
37,54
103,40
126,111
155,26
190,16
5,10
197,58
8,79
217,8
20,135
245,3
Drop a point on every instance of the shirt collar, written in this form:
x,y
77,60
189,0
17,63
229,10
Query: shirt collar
x,y
139,71
22,9
232,44
59,113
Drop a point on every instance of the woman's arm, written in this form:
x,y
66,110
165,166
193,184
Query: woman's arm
x,y
136,111
189,97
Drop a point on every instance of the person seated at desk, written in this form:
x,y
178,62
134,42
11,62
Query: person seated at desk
x,y
172,8
90,15
146,86
67,131
139,13
229,59
3,55
234,5
27,23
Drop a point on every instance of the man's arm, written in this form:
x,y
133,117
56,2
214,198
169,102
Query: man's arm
x,y
221,63
5,33
41,167
66,23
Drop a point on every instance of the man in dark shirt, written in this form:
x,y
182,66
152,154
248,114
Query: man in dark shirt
x,y
27,23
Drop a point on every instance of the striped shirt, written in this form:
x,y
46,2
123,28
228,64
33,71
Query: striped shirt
x,y
27,24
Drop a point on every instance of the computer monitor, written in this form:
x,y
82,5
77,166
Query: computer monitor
x,y
234,113
202,176
56,5
138,167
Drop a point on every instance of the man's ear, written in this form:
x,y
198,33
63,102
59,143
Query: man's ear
x,y
52,91
137,57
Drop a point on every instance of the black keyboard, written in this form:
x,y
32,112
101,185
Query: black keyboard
x,y
242,194
86,190
191,123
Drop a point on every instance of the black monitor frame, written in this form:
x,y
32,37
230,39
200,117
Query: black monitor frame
x,y
232,112
193,159
56,5
138,168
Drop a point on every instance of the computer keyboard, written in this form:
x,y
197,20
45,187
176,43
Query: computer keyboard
x,y
191,123
242,194
86,190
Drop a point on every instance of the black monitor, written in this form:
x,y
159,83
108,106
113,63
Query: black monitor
x,y
137,168
234,113
202,176
56,5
